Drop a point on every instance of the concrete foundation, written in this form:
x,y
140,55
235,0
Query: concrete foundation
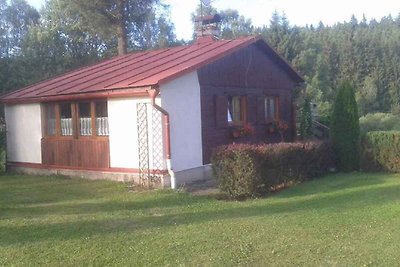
x,y
194,175
182,177
86,174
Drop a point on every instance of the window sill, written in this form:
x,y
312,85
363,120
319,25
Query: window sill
x,y
235,124
74,138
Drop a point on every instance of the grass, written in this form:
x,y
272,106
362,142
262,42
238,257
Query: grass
x,y
341,220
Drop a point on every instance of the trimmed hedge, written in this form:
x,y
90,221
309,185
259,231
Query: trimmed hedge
x,y
379,122
380,151
244,170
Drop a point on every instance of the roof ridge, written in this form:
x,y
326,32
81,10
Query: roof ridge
x,y
198,65
222,44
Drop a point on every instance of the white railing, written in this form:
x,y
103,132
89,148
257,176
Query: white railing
x,y
66,126
102,126
85,126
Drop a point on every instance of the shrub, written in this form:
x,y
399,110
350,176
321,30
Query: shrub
x,y
251,170
380,151
379,122
238,170
345,129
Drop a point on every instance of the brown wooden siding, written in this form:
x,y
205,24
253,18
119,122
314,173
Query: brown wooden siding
x,y
85,152
250,72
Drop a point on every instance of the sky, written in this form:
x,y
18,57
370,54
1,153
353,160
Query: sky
x,y
298,12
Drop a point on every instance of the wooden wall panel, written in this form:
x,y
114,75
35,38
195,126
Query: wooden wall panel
x,y
251,72
85,152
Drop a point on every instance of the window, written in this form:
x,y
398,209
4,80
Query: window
x,y
236,110
89,119
50,112
66,119
271,107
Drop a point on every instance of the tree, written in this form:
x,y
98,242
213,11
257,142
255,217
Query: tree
x,y
157,32
15,20
111,18
232,25
345,129
3,27
306,119
282,37
69,33
366,98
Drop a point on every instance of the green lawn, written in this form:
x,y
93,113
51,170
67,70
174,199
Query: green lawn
x,y
341,220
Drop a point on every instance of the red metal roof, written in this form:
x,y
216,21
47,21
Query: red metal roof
x,y
131,72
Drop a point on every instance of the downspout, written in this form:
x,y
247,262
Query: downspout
x,y
153,93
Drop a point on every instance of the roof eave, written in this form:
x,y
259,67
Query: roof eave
x,y
112,93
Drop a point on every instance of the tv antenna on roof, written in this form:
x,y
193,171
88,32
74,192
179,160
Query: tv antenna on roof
x,y
207,24
206,2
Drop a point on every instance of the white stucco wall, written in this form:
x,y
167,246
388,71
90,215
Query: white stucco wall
x,y
123,132
181,98
24,132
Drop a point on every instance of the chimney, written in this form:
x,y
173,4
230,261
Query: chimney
x,y
207,26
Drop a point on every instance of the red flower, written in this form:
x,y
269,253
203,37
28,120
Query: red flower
x,y
279,125
244,130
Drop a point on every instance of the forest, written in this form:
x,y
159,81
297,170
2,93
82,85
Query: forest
x,y
67,34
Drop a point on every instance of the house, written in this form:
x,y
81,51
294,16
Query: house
x,y
152,116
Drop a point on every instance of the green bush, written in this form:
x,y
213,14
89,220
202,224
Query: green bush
x,y
380,151
238,170
244,170
379,122
345,129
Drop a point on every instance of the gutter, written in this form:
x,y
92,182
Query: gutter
x,y
153,93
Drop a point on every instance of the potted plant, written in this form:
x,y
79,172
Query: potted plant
x,y
279,126
242,131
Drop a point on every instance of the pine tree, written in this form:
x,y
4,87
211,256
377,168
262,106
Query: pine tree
x,y
345,129
111,18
